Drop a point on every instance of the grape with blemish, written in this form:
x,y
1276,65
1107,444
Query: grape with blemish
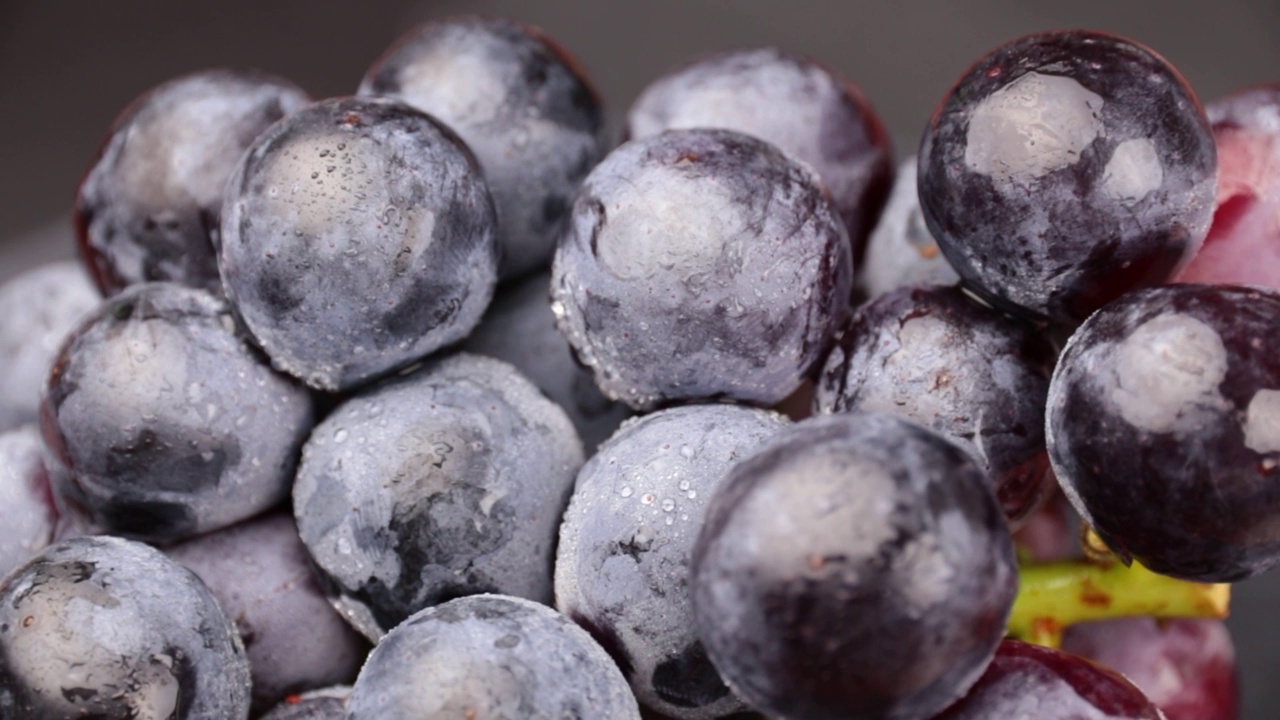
x,y
448,481
111,629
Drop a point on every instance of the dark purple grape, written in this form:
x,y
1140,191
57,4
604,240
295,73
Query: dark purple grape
x,y
110,629
857,566
490,656
792,101
1186,666
1164,429
523,105
357,237
701,264
901,252
622,568
148,207
260,573
40,308
520,328
1243,245
936,357
28,516
1029,682
162,423
1066,168
446,482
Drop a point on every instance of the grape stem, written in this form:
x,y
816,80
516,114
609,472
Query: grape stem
x,y
1053,596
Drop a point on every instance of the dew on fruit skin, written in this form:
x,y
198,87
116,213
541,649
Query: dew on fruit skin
x,y
626,491
340,435
668,505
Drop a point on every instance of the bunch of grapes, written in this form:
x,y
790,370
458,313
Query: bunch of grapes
x,y
428,402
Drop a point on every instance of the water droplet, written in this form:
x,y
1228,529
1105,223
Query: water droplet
x,y
207,455
626,491
692,494
684,484
670,520
688,453
344,547
340,435
668,505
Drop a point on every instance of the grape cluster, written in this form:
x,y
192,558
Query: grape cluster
x,y
436,406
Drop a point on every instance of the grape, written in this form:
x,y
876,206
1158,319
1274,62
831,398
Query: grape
x,y
520,328
446,482
622,568
109,628
148,208
28,517
357,237
490,656
1064,169
857,566
1026,682
932,355
1163,428
792,101
260,574
521,103
1243,245
701,264
901,252
40,307
1187,667
161,422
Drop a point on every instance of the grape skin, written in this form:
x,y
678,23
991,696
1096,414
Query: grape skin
x,y
1064,169
1163,429
857,566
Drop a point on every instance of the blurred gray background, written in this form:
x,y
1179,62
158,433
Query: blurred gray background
x,y
67,68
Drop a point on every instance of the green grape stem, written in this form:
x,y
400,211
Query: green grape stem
x,y
1053,596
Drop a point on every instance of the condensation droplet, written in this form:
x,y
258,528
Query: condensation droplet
x,y
626,491
340,435
668,505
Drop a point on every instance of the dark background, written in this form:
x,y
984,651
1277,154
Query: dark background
x,y
66,69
